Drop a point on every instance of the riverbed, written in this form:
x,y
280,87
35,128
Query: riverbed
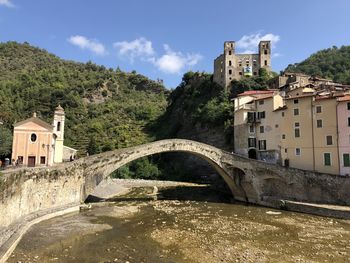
x,y
184,223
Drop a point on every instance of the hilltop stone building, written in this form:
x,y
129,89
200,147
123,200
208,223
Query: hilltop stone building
x,y
231,66
37,143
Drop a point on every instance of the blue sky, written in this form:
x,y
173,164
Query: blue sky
x,y
163,39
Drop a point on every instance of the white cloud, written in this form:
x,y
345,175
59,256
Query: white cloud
x,y
170,62
7,3
138,48
174,62
89,44
250,42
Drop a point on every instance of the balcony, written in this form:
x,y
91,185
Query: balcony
x,y
253,118
247,106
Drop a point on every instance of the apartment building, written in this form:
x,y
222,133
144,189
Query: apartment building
x,y
309,133
256,126
343,124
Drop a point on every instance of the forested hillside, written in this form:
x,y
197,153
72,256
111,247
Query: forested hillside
x,y
333,63
105,108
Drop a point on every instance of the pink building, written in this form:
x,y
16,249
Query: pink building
x,y
343,119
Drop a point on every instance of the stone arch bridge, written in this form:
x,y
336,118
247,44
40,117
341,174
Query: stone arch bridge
x,y
27,191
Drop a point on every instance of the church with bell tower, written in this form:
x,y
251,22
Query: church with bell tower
x,y
37,143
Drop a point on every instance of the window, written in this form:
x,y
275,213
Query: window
x,y
296,132
283,136
261,129
327,159
262,144
230,63
240,73
265,52
42,160
329,139
297,151
282,113
251,117
251,142
265,62
261,102
230,72
33,137
59,126
230,52
296,112
251,128
348,121
285,150
276,125
348,105
261,115
318,109
240,64
20,159
296,124
255,73
346,160
296,101
319,123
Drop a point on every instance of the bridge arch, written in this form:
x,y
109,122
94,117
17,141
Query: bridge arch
x,y
101,166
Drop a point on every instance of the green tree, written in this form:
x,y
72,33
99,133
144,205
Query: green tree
x,y
92,147
5,141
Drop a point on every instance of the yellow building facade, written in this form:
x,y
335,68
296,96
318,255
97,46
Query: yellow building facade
x,y
309,136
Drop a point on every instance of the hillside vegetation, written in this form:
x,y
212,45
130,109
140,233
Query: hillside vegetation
x,y
105,108
332,63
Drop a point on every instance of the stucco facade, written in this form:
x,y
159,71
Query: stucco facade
x,y
256,127
37,143
32,143
310,133
343,119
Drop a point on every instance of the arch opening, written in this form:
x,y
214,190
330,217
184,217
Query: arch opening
x,y
216,183
99,167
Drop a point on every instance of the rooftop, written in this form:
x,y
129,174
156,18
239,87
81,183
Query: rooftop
x,y
256,92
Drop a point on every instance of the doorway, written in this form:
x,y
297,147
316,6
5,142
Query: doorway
x,y
252,154
31,161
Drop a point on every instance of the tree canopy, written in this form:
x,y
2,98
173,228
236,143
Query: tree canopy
x,y
333,63
110,106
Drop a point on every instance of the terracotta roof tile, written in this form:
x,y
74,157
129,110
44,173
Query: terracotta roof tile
x,y
345,98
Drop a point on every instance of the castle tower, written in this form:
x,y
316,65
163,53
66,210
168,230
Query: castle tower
x,y
229,62
58,123
265,55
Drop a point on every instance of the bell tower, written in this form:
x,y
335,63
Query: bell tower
x,y
58,131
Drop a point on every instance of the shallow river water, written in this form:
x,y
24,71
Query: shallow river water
x,y
202,229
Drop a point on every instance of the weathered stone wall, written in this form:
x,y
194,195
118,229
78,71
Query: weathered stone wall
x,y
23,192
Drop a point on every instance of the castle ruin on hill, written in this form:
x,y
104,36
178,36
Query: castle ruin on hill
x,y
231,66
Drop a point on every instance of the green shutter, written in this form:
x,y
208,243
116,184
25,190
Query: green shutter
x,y
327,159
346,159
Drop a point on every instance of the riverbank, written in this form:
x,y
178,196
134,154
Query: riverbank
x,y
111,189
130,229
